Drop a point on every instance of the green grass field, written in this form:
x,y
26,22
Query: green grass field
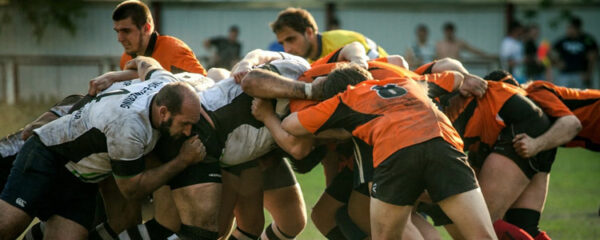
x,y
571,209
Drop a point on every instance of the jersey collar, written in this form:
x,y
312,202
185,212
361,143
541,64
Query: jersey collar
x,y
319,46
150,47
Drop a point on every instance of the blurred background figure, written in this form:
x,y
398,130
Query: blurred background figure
x,y
537,62
511,52
227,50
576,55
451,46
334,24
421,51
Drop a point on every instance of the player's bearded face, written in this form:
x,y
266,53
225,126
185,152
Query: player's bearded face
x,y
165,129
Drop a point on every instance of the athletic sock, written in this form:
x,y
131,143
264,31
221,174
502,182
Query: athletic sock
x,y
196,233
102,232
347,226
335,234
149,230
527,219
239,234
272,232
36,232
506,231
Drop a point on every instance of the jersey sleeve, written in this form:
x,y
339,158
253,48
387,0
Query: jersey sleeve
x,y
62,108
297,105
425,68
125,145
313,118
549,103
329,58
438,83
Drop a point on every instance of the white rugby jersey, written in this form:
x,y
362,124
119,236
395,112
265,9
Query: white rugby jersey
x,y
111,133
242,137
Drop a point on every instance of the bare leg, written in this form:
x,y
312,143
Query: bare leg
x,y
198,205
120,212
387,220
61,228
287,208
425,228
13,221
467,211
249,207
358,210
163,209
502,182
534,195
323,213
229,198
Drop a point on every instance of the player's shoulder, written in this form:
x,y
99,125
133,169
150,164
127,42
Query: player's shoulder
x,y
341,32
170,41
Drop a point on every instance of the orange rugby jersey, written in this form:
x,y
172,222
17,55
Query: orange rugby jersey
x,y
559,101
172,54
477,119
388,115
437,84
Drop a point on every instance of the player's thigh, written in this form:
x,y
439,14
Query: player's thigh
x,y
468,212
61,228
425,228
13,221
164,204
501,181
323,213
388,220
121,213
358,208
534,195
287,208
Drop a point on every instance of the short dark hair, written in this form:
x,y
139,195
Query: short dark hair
x,y
501,76
138,11
514,25
171,96
449,26
421,27
576,22
297,19
343,75
234,28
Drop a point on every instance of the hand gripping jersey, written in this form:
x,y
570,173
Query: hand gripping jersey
x,y
242,137
561,101
477,119
111,133
173,55
330,41
388,115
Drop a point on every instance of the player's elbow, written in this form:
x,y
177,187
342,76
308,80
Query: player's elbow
x,y
574,124
300,151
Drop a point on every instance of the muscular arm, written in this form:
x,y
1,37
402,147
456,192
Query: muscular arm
x,y
144,183
298,147
104,81
253,58
471,84
562,131
265,84
354,52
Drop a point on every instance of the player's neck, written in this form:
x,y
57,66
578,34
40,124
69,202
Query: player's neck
x,y
315,48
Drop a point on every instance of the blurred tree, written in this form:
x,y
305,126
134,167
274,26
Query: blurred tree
x,y
41,13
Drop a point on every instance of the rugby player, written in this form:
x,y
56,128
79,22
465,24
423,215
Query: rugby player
x,y
389,210
297,31
84,147
135,31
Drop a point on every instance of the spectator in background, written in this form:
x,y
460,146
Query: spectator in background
x,y
537,64
420,52
577,53
451,46
334,24
511,52
228,49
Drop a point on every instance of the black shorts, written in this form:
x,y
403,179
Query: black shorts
x,y
5,166
363,162
278,174
434,165
196,174
542,162
41,186
238,169
342,186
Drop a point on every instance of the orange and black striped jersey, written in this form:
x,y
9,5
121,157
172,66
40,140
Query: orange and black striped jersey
x,y
173,55
559,101
478,119
388,115
437,84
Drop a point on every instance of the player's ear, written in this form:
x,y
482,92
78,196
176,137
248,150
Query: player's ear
x,y
147,27
309,32
164,113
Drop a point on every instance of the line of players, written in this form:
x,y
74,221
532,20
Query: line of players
x,y
511,144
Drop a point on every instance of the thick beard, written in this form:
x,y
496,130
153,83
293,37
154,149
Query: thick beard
x,y
165,127
308,49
